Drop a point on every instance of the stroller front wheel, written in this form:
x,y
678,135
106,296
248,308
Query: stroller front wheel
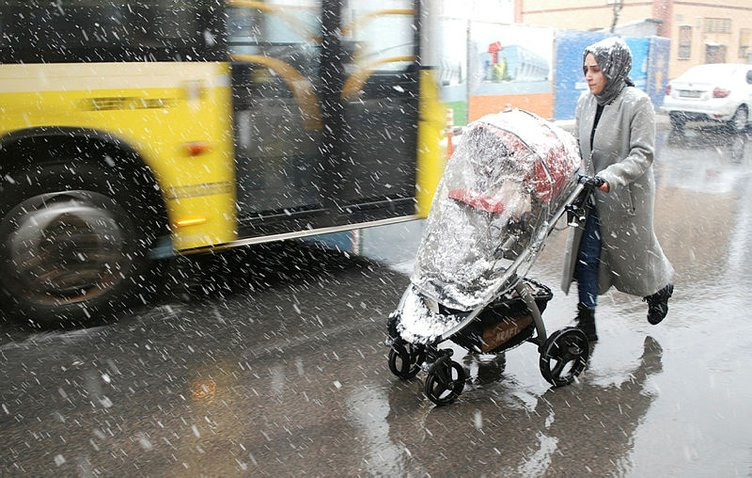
x,y
444,382
564,356
405,360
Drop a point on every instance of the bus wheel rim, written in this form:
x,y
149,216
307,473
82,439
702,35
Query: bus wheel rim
x,y
64,248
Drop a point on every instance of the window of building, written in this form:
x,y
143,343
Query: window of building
x,y
717,25
715,53
685,42
745,38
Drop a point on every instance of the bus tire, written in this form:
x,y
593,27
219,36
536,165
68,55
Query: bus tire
x,y
74,244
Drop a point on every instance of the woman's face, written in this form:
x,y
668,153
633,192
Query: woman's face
x,y
594,77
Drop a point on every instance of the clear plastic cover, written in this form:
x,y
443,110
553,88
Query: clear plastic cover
x,y
510,174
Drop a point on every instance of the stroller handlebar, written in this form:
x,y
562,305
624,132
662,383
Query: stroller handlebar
x,y
576,210
591,182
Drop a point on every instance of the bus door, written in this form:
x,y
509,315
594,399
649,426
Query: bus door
x,y
325,112
380,97
277,117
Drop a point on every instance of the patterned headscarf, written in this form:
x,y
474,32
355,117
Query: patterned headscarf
x,y
615,60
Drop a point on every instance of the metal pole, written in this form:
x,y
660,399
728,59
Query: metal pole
x,y
618,4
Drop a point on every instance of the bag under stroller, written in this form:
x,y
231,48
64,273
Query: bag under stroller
x,y
511,178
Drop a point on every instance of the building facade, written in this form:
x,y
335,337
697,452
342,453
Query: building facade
x,y
701,31
500,11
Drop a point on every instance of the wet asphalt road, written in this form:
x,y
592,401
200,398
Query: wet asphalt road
x,y
270,361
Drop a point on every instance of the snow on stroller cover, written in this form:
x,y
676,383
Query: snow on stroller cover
x,y
503,190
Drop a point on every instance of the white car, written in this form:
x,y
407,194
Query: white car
x,y
719,92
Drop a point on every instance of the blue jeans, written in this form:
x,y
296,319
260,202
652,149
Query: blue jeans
x,y
588,259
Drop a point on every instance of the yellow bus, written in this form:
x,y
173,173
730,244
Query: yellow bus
x,y
209,124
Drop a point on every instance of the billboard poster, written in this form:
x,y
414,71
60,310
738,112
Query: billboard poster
x,y
509,66
453,67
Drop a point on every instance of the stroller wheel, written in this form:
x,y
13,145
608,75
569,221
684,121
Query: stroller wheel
x,y
445,382
564,356
405,360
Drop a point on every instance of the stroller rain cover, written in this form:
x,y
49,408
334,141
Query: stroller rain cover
x,y
510,174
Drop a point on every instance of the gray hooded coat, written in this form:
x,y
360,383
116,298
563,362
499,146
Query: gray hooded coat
x,y
622,154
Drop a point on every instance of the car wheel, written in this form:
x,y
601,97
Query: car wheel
x,y
72,249
738,122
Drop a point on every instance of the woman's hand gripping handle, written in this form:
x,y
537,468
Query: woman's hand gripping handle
x,y
576,211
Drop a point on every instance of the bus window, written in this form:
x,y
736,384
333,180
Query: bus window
x,y
95,31
381,101
325,99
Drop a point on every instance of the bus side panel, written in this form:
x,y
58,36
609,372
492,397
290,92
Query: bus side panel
x,y
431,157
175,115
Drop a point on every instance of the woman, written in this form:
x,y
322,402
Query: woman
x,y
615,126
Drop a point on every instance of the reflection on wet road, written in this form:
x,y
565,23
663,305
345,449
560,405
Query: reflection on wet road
x,y
271,362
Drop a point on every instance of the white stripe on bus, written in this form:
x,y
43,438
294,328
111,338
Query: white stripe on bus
x,y
109,76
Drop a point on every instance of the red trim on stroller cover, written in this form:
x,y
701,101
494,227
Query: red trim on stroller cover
x,y
477,200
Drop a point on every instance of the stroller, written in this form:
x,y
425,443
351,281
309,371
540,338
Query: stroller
x,y
504,189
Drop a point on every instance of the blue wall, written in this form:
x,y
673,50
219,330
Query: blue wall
x,y
568,78
640,52
660,52
649,67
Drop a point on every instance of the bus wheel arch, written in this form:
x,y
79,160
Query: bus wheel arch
x,y
45,145
86,183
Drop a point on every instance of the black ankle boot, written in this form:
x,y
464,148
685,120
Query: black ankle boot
x,y
658,304
585,321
